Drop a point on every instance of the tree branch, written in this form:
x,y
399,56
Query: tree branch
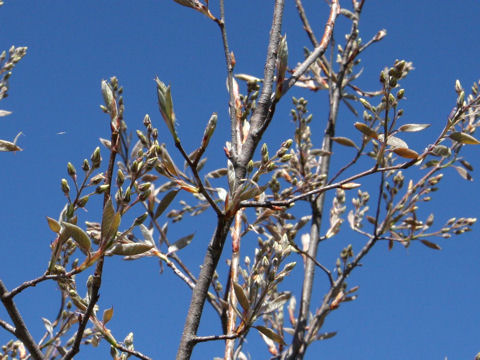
x,y
20,331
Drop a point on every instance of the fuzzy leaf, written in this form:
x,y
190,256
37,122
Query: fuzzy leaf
x,y
242,298
128,249
277,303
270,334
394,142
345,141
413,127
165,202
180,244
147,234
4,113
464,138
366,130
80,236
430,244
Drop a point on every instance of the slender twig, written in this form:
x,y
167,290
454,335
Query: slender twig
x,y
321,190
198,181
21,331
199,339
40,279
7,326
230,66
132,352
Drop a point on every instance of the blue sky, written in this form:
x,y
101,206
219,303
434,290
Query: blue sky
x,y
413,303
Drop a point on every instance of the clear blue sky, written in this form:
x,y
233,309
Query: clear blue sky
x,y
413,304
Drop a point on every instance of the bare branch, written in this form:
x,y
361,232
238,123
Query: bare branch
x,y
20,331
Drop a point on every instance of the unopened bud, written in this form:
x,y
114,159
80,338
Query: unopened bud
x,y
71,170
120,178
65,187
96,158
139,220
82,201
102,188
85,165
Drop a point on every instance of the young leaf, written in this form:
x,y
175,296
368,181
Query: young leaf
x,y
413,127
167,199
394,142
344,141
270,334
4,113
180,244
464,138
365,130
430,244
110,221
80,236
107,315
242,298
53,225
128,249
406,153
463,173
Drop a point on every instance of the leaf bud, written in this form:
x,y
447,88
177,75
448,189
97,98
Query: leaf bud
x,y
250,166
461,98
127,195
109,98
144,195
96,158
146,120
144,186
142,138
85,165
120,178
458,86
65,187
271,166
83,201
139,220
286,157
97,179
71,170
102,188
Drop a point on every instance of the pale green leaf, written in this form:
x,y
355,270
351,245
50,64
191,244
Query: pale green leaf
x,y
180,244
77,233
53,225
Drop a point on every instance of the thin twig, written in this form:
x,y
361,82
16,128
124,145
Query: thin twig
x,y
7,326
40,279
198,181
132,352
199,339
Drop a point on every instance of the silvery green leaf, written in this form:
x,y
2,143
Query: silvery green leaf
x,y
180,244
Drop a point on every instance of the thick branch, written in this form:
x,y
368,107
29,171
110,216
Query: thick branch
x,y
212,256
21,331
